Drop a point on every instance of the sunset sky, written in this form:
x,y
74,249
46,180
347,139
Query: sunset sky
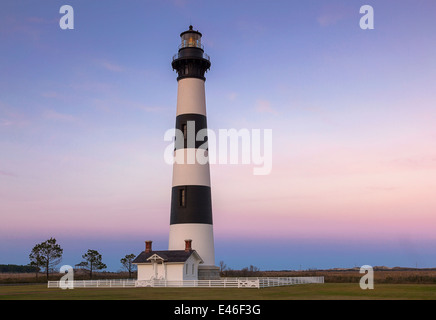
x,y
83,115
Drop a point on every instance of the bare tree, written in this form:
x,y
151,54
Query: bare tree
x,y
223,266
127,263
253,269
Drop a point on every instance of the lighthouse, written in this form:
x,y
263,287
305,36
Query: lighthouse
x,y
191,201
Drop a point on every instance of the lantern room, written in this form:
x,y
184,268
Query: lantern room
x,y
191,39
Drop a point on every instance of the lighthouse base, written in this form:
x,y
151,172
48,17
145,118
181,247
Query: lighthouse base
x,y
208,273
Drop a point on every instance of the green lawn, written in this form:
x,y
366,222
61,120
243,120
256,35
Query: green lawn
x,y
326,291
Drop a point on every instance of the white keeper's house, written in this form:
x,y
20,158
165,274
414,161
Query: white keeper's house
x,y
168,264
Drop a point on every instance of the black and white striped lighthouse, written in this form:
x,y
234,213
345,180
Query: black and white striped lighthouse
x,y
191,203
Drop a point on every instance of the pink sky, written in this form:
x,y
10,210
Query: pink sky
x,y
352,112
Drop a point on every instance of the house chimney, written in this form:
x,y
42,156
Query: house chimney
x,y
188,243
148,246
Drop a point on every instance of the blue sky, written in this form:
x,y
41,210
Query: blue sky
x,y
83,113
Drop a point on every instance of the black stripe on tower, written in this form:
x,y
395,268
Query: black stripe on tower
x,y
191,204
191,120
191,67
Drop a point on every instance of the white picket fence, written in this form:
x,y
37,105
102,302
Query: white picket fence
x,y
117,283
261,282
265,282
222,283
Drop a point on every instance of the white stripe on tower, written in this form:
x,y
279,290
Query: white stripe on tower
x,y
185,173
203,238
191,97
191,204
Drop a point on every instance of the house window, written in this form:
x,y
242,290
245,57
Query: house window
x,y
186,268
182,197
192,268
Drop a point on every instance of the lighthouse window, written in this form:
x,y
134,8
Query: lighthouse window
x,y
185,132
186,70
182,197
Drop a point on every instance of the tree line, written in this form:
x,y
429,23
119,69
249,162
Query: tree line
x,y
45,256
13,268
250,271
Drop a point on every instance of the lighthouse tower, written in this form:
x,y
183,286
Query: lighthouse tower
x,y
191,203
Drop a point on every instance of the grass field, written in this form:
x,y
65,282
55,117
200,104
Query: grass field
x,y
396,284
326,291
